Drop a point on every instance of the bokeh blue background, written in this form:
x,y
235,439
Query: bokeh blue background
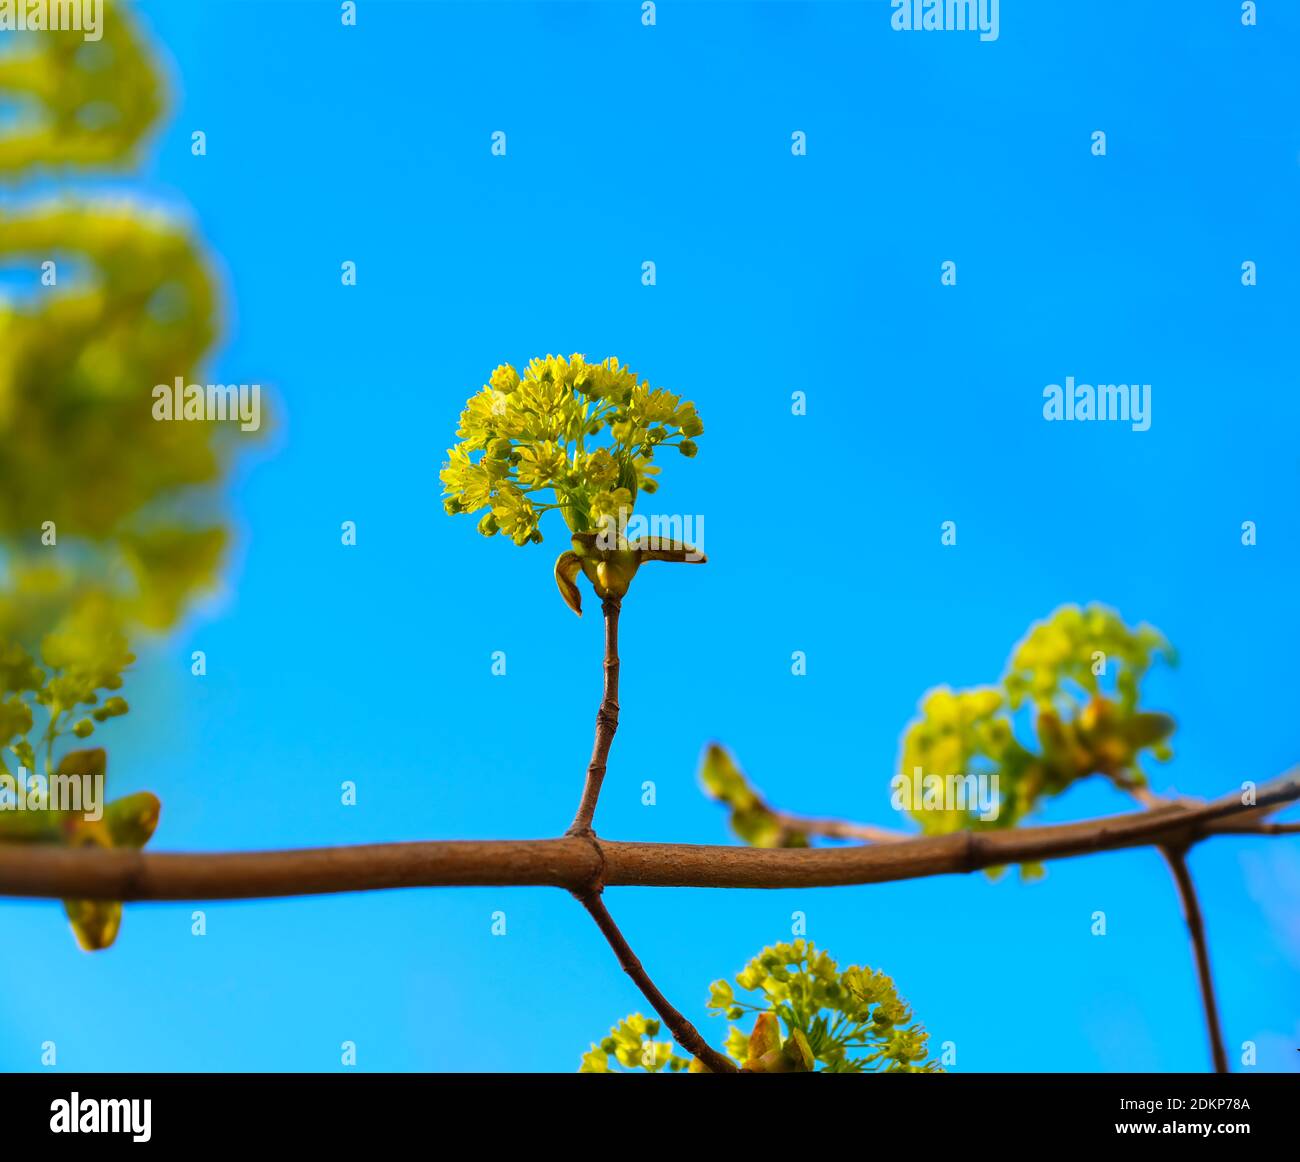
x,y
775,274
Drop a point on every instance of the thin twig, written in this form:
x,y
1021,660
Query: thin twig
x,y
1176,858
684,1033
837,829
1147,797
574,863
606,725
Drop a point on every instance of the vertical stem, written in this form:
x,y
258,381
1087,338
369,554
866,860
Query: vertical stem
x,y
1176,858
684,1033
606,724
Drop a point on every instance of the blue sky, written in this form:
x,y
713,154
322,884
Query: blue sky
x,y
775,274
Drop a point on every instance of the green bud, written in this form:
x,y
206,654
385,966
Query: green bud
x,y
574,513
84,729
766,1037
627,475
692,426
799,1053
688,448
113,708
93,763
132,820
488,525
94,922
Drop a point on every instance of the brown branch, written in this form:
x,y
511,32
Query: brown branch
x,y
1230,827
1251,824
576,863
1176,858
606,724
684,1033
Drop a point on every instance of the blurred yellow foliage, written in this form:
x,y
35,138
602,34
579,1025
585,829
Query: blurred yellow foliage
x,y
109,519
80,102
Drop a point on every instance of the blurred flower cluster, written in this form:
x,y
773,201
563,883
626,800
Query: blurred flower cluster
x,y
1071,690
1068,707
109,521
810,1016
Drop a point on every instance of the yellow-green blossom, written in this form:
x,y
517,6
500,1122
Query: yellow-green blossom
x,y
566,434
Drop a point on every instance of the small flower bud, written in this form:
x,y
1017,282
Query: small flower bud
x,y
766,1036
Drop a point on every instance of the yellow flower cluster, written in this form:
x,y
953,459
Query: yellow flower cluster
x,y
566,434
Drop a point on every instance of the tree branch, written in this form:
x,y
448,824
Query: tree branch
x,y
576,863
606,724
1176,858
1231,827
684,1033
